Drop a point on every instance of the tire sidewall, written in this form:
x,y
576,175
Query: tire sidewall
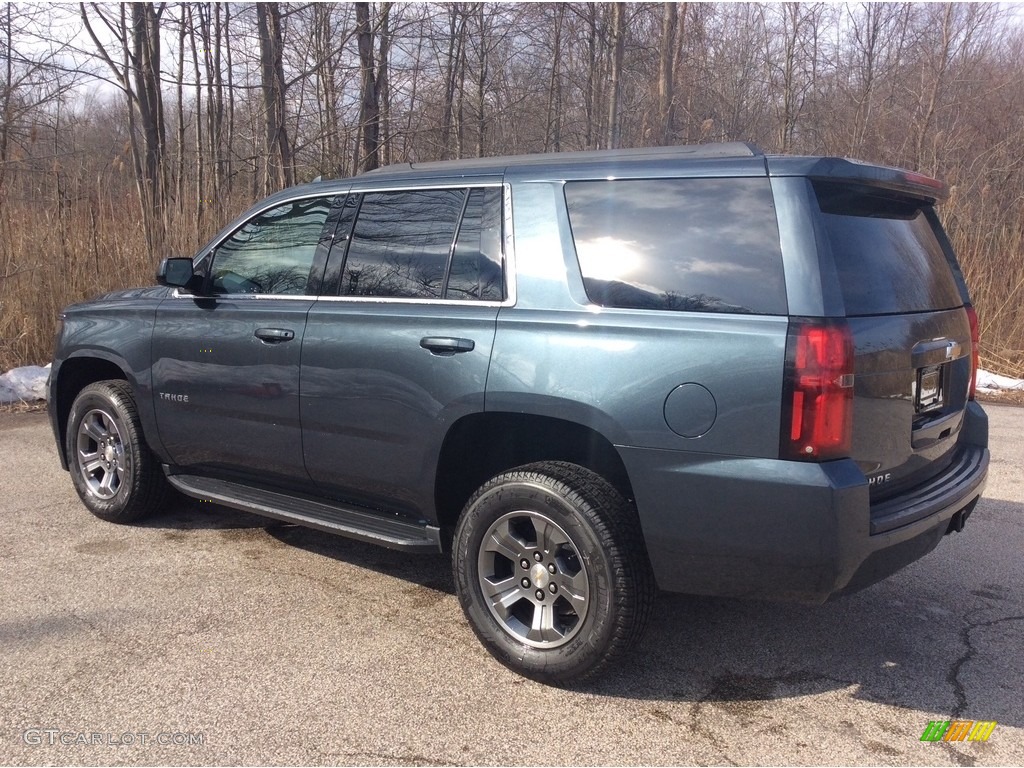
x,y
587,647
93,398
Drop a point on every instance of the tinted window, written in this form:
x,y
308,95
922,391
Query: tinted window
x,y
887,256
709,245
401,243
346,216
273,252
476,262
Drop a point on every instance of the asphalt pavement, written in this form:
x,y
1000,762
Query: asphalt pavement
x,y
210,636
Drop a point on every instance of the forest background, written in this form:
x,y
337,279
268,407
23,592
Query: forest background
x,y
130,132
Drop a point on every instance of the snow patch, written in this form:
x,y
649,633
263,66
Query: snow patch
x,y
992,382
24,384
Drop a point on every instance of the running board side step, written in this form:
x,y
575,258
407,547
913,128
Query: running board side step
x,y
332,518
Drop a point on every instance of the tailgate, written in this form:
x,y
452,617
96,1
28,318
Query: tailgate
x,y
912,336
910,391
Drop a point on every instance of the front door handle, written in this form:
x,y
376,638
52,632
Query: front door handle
x,y
274,335
446,345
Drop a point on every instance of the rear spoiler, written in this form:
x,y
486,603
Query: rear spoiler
x,y
838,169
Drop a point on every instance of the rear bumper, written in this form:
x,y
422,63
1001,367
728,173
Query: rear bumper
x,y
786,530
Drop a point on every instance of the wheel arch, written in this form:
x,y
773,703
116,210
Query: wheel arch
x,y
75,374
481,445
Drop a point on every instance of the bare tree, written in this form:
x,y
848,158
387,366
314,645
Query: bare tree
x,y
666,70
553,134
374,82
279,167
618,48
138,75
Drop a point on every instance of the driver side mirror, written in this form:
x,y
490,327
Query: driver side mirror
x,y
176,273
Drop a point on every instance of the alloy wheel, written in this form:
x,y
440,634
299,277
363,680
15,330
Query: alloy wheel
x,y
533,579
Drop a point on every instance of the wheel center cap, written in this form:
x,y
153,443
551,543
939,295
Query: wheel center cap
x,y
539,576
109,453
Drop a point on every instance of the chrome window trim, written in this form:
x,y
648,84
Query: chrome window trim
x,y
405,300
467,184
177,294
509,255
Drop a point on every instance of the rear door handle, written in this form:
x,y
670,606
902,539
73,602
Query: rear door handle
x,y
935,352
446,345
274,335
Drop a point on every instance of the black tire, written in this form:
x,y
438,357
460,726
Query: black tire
x,y
115,473
576,542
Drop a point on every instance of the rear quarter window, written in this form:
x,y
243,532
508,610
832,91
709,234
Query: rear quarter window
x,y
887,256
704,245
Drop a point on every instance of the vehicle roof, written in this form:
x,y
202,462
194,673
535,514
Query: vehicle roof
x,y
722,159
498,165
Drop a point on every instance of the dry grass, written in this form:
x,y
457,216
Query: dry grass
x,y
50,258
1003,397
989,242
57,258
22,406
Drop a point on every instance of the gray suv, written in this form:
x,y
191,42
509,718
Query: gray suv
x,y
587,375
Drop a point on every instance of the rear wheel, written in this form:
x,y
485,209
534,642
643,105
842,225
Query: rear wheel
x,y
551,571
116,475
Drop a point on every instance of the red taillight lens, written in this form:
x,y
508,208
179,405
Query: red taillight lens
x,y
972,318
817,418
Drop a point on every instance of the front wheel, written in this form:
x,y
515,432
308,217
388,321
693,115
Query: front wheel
x,y
551,571
112,468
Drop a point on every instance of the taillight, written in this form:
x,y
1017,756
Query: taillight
x,y
972,318
817,414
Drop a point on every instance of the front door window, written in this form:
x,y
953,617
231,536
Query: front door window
x,y
273,252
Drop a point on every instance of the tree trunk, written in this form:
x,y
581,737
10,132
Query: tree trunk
x,y
179,180
666,62
455,37
481,84
146,63
279,167
200,198
552,137
229,138
618,42
215,105
369,110
382,82
592,95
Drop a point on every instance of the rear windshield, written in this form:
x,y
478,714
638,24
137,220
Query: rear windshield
x,y
693,245
887,255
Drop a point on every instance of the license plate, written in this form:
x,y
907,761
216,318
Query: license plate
x,y
929,389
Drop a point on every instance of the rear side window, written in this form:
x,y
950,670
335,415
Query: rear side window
x,y
427,244
401,243
887,256
704,245
476,263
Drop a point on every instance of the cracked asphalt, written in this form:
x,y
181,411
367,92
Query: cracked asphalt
x,y
249,643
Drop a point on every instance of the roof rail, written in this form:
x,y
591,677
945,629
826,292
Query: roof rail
x,y
681,152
